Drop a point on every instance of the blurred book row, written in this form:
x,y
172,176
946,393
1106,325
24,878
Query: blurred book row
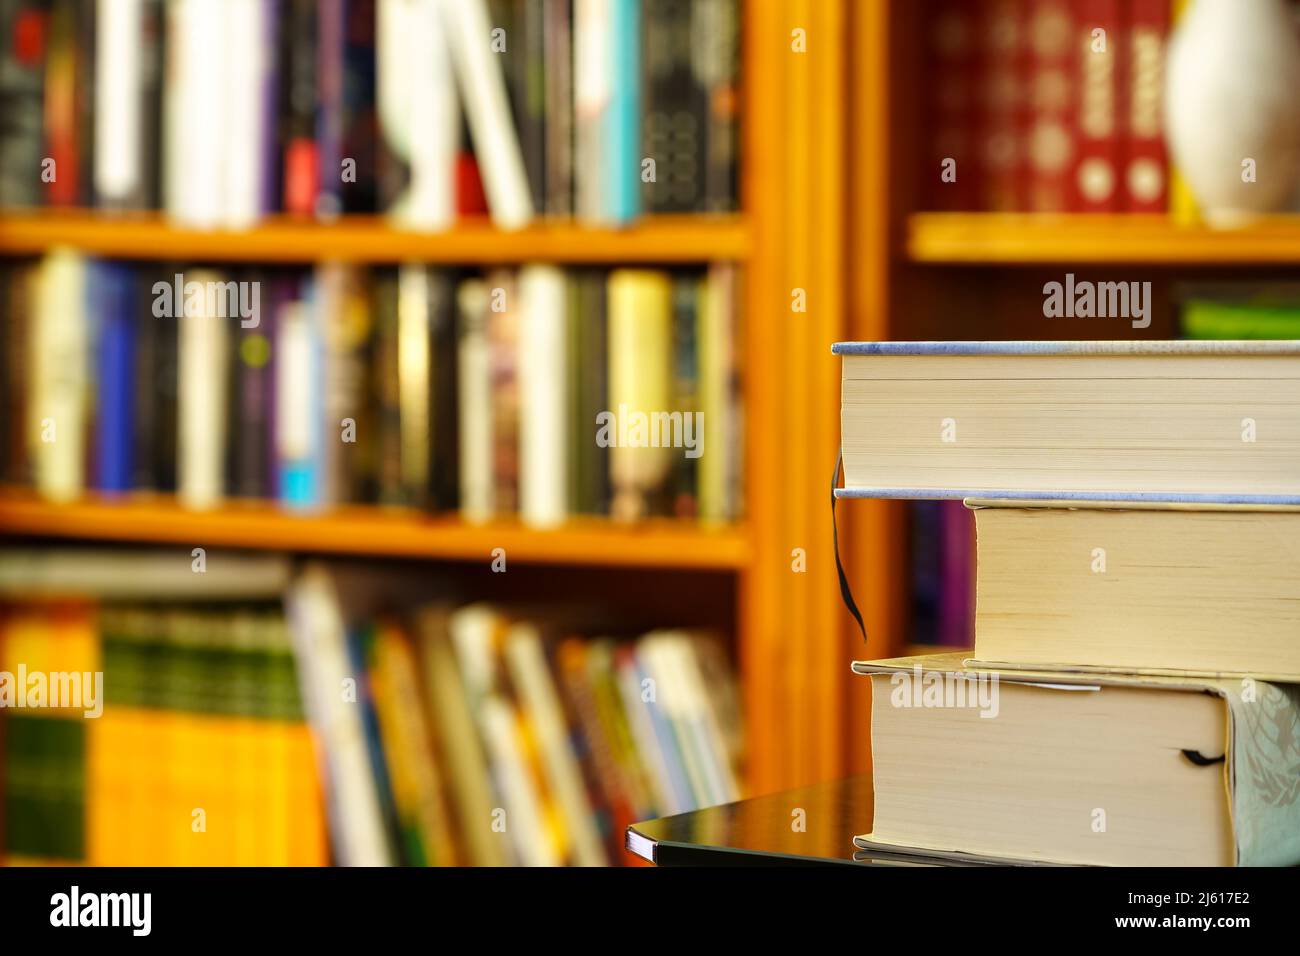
x,y
222,111
533,391
942,533
1048,106
234,733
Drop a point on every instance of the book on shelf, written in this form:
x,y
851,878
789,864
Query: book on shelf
x,y
424,110
1072,420
192,752
1172,771
278,717
1047,105
526,391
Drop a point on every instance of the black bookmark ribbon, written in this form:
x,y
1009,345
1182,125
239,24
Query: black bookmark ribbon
x,y
1200,760
846,593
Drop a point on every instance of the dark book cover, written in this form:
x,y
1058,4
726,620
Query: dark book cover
x,y
386,396
360,123
530,110
166,391
24,38
249,437
330,30
444,418
83,100
298,107
14,466
144,383
557,29
593,374
717,70
683,479
676,110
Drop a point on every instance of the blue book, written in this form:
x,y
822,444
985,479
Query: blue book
x,y
622,175
1212,422
112,298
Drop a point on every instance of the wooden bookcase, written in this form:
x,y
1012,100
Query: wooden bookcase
x,y
791,641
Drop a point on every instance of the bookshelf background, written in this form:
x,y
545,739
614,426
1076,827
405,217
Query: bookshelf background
x,y
833,151
785,629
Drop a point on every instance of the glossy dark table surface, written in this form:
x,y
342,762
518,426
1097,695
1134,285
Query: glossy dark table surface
x,y
811,825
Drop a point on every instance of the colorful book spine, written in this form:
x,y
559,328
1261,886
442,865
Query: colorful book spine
x,y
1146,161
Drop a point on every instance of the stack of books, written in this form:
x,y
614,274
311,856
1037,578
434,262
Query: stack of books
x,y
1134,694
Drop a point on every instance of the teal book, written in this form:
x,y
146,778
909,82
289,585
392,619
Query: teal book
x,y
623,156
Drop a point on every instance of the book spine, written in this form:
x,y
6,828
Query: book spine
x,y
414,361
330,26
953,104
62,149
59,360
531,117
248,63
202,379
1050,143
1001,94
1146,180
504,354
591,104
297,387
717,68
557,27
114,294
622,174
360,121
120,64
487,108
1097,37
298,112
474,401
675,118
24,36
444,483
543,439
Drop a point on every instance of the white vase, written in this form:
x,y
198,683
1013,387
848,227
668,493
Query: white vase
x,y
1232,106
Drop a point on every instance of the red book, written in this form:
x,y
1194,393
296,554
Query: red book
x,y
301,177
1050,144
1145,180
953,174
1095,183
1003,99
61,108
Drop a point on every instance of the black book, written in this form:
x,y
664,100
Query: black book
x,y
444,418
675,118
165,389
22,101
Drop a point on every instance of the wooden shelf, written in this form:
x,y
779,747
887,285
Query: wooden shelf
x,y
373,531
658,239
1028,239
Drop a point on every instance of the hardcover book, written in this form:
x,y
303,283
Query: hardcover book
x,y
1170,771
1193,421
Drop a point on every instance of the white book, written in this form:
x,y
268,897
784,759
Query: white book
x,y
195,139
474,396
119,42
248,61
59,383
483,90
202,387
592,92
543,372
324,672
419,116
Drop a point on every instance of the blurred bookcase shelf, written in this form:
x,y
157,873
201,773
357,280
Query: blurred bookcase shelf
x,y
371,531
370,239
1039,238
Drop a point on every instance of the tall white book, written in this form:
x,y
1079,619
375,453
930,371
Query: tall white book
x,y
474,397
59,384
202,387
419,116
119,50
194,113
483,90
543,373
